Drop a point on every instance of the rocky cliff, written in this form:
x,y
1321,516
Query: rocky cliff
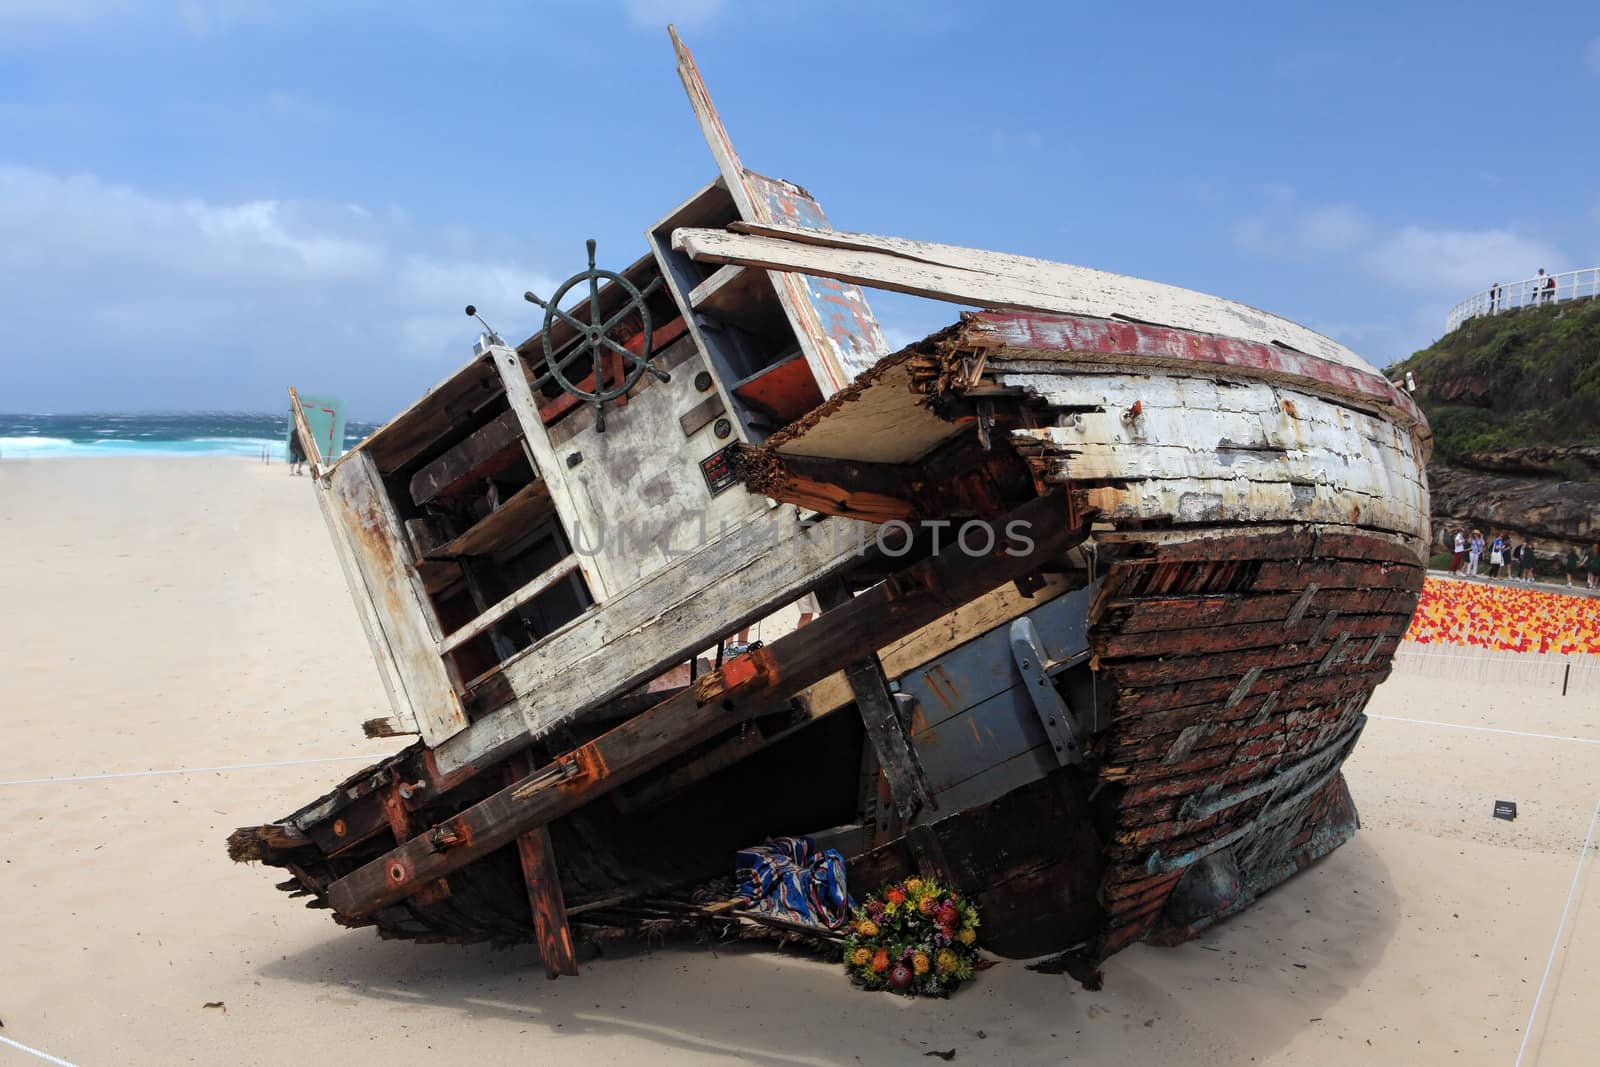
x,y
1514,401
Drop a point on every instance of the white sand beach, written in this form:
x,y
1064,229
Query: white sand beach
x,y
170,614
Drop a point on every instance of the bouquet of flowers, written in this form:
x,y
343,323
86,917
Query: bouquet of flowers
x,y
912,937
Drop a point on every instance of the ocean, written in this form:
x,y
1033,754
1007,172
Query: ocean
x,y
205,433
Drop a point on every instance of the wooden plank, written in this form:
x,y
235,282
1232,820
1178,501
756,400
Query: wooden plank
x,y
994,608
1129,617
434,415
681,609
471,460
695,419
1344,574
712,291
908,786
361,507
518,515
1204,640
520,393
1279,542
302,430
831,320
741,690
491,615
404,719
1142,672
1202,500
998,280
552,935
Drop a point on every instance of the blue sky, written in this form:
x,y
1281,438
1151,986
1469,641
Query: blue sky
x,y
201,203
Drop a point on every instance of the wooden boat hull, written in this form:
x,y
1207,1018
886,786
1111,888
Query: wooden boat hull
x,y
1255,558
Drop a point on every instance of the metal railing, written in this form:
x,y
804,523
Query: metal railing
x,y
1528,292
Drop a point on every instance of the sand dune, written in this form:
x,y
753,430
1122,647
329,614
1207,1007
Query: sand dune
x,y
167,614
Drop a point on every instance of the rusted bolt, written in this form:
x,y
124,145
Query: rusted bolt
x,y
397,872
339,828
443,838
411,789
1133,412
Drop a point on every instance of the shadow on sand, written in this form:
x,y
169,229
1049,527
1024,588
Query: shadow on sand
x,y
1243,988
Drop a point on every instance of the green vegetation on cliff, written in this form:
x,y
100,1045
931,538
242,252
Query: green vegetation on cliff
x,y
1525,378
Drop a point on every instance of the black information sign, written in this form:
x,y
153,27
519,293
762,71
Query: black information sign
x,y
1505,809
718,472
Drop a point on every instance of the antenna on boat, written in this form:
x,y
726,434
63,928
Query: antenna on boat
x,y
490,333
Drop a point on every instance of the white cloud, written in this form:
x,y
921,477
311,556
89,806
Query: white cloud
x,y
685,14
1334,228
1457,262
1437,261
250,296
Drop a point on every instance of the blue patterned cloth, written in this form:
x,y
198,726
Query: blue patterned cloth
x,y
788,878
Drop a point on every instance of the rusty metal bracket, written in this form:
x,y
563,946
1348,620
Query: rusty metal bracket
x,y
551,775
1061,726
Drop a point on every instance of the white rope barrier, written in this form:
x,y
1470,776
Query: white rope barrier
x,y
1485,729
19,1046
187,770
1555,946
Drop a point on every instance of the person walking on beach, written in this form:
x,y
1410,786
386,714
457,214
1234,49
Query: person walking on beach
x,y
1474,553
1460,550
297,455
1571,564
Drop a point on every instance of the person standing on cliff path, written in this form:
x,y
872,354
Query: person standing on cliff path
x,y
1544,287
1474,552
1460,550
1524,562
1494,298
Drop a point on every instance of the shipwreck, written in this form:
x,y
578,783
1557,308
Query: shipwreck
x,y
1107,570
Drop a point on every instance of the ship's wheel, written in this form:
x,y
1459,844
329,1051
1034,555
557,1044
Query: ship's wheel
x,y
595,338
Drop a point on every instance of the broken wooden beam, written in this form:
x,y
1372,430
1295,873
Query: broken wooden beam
x,y
744,688
551,934
476,458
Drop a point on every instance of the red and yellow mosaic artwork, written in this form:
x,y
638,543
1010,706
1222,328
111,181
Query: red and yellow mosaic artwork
x,y
1507,617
